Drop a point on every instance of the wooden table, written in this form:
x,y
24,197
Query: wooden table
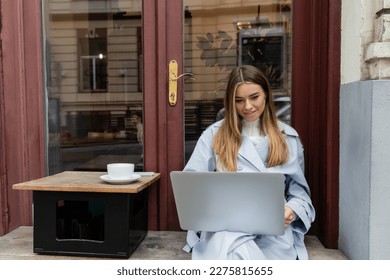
x,y
76,213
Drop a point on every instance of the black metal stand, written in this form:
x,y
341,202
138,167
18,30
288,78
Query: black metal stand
x,y
89,224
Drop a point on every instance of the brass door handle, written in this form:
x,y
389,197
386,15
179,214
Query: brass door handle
x,y
173,78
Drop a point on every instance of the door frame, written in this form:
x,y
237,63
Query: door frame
x,y
316,77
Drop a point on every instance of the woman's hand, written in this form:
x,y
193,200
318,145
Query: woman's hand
x,y
289,216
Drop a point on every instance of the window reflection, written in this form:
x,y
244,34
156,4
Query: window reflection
x,y
93,60
93,54
219,37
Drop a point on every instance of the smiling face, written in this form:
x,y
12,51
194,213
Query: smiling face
x,y
250,101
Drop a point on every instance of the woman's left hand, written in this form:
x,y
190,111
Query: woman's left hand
x,y
289,216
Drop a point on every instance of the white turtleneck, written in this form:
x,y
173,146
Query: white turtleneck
x,y
253,131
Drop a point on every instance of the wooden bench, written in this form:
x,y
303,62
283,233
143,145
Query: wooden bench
x,y
157,245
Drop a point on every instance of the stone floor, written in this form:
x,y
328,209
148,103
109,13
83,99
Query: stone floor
x,y
157,245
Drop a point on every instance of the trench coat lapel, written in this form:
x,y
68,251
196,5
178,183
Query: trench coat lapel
x,y
254,155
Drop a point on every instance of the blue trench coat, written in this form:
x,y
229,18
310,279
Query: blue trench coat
x,y
252,158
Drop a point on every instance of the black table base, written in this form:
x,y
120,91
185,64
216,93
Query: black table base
x,y
89,224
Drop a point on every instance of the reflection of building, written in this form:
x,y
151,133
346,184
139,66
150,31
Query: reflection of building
x,y
264,46
362,156
95,47
94,54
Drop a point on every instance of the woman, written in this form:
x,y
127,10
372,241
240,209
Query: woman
x,y
251,139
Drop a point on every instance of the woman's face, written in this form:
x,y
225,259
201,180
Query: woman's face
x,y
250,101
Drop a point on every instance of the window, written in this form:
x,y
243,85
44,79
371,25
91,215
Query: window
x,y
93,61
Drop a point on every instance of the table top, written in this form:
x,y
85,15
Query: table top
x,y
81,181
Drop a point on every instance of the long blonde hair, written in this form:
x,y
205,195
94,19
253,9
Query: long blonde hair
x,y
228,138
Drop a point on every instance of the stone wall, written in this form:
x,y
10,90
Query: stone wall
x,y
377,54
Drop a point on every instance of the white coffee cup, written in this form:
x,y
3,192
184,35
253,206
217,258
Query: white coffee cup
x,y
120,171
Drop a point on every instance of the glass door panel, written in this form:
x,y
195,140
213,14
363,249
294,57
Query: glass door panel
x,y
218,36
93,58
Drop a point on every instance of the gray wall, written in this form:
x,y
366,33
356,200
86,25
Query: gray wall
x,y
365,170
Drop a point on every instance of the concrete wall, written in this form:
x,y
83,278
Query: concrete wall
x,y
364,130
364,170
355,154
380,175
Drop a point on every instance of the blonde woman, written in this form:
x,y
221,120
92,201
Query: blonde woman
x,y
251,139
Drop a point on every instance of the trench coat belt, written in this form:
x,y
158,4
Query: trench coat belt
x,y
192,239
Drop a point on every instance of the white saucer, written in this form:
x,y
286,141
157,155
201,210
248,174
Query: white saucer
x,y
107,179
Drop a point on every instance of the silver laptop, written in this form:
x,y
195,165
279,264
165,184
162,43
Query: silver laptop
x,y
237,201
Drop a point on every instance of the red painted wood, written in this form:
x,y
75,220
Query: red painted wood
x,y
162,132
22,102
3,193
332,122
161,81
151,118
315,97
175,128
163,123
301,85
